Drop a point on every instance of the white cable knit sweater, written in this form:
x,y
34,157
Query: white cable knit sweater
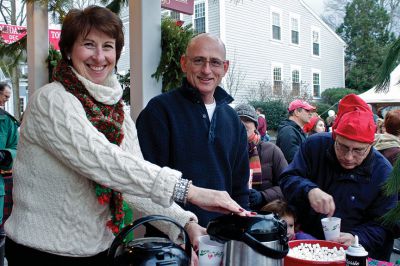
x,y
59,154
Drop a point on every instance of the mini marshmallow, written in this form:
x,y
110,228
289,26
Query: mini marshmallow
x,y
317,253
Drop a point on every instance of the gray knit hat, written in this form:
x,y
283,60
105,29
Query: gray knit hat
x,y
248,111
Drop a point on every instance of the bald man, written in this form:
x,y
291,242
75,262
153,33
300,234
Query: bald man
x,y
194,130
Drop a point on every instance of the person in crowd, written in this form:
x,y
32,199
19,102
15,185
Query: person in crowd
x,y
266,161
375,116
290,131
388,143
380,126
316,125
262,124
79,158
194,130
340,174
8,150
287,213
330,120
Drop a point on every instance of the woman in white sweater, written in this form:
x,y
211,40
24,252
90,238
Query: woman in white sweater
x,y
79,156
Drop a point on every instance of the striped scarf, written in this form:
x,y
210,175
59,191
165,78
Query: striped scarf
x,y
107,119
254,159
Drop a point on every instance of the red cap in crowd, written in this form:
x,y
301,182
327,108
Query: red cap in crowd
x,y
300,104
354,120
310,125
350,103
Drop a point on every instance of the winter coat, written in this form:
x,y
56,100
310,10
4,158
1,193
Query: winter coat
x,y
388,145
174,130
8,142
290,136
272,165
262,125
358,193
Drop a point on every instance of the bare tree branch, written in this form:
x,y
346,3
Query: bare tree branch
x,y
234,77
264,92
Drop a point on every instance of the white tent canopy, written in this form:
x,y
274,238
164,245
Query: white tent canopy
x,y
391,96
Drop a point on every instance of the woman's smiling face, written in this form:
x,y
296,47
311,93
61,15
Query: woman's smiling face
x,y
94,56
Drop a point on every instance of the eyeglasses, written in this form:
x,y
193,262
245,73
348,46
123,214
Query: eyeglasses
x,y
343,149
201,61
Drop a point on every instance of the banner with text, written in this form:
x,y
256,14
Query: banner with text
x,y
183,6
12,33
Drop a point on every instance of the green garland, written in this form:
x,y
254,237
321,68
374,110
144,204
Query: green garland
x,y
392,187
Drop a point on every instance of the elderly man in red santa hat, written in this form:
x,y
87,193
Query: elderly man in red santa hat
x,y
340,174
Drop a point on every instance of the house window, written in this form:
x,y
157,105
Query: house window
x,y
316,85
276,26
200,17
171,14
277,76
315,42
294,26
295,82
175,15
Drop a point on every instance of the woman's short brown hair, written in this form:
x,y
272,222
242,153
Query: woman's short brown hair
x,y
80,22
392,122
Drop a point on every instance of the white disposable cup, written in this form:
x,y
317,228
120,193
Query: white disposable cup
x,y
210,252
331,227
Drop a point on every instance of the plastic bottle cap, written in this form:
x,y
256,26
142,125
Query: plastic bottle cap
x,y
356,249
356,243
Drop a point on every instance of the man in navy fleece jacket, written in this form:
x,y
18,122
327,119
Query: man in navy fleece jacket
x,y
194,130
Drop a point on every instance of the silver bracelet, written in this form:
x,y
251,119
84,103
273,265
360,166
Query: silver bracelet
x,y
181,190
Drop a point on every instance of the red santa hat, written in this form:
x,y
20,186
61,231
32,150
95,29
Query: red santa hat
x,y
354,120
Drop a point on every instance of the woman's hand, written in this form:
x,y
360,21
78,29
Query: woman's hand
x,y
195,259
214,200
194,231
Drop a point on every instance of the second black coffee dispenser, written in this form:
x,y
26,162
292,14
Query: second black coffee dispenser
x,y
256,240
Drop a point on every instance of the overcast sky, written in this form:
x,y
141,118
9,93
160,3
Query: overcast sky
x,y
316,5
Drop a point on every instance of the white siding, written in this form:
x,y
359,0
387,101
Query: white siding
x,y
247,35
249,41
124,62
213,18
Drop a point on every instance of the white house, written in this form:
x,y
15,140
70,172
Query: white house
x,y
281,44
123,63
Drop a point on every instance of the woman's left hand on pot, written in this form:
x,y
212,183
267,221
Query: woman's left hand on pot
x,y
194,231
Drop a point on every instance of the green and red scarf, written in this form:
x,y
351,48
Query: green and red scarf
x,y
107,119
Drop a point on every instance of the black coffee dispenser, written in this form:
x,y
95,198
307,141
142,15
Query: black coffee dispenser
x,y
257,240
151,250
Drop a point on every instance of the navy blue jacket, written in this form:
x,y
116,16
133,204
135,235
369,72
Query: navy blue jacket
x,y
357,193
290,136
174,130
